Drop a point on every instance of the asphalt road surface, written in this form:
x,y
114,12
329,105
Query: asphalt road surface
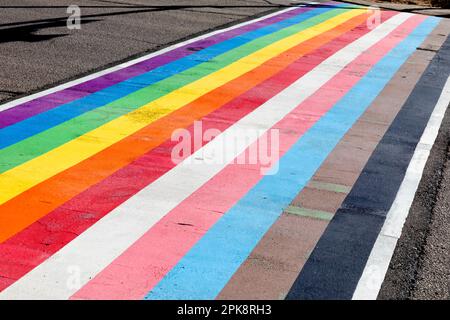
x,y
76,178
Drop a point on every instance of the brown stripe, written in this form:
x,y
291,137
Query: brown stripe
x,y
274,264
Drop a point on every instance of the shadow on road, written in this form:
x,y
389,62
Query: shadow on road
x,y
28,33
26,30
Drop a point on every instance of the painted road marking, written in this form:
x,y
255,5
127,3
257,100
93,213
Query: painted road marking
x,y
204,201
369,284
117,188
124,151
69,219
160,195
240,229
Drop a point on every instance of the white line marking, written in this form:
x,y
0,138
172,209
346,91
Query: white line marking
x,y
124,65
377,265
98,246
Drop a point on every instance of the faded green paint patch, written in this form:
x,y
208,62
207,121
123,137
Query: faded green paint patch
x,y
315,214
339,188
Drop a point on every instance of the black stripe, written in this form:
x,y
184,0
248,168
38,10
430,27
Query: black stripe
x,y
337,262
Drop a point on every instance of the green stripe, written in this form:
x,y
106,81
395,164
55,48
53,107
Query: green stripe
x,y
315,214
47,140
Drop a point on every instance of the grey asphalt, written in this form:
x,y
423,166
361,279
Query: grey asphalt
x,y
37,50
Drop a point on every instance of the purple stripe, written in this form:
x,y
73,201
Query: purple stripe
x,y
50,101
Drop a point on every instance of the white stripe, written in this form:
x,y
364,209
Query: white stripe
x,y
63,86
98,246
369,284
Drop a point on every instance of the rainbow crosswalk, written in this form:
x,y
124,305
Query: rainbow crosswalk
x,y
92,205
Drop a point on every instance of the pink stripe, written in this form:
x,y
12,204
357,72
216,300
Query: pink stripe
x,y
145,263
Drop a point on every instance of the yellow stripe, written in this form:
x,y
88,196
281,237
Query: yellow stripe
x,y
37,170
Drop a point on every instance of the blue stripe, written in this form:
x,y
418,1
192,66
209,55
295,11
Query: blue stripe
x,y
209,265
41,122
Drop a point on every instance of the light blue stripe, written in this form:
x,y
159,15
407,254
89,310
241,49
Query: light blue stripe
x,y
43,121
209,265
